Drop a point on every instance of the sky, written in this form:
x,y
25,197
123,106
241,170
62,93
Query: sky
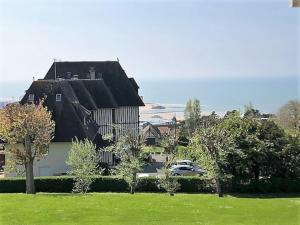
x,y
153,39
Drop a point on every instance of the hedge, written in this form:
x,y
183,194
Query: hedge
x,y
148,184
265,185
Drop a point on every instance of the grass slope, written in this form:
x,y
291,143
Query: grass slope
x,y
108,208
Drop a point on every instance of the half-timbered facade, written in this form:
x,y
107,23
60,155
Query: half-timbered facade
x,y
116,121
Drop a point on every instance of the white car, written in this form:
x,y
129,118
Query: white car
x,y
183,162
185,170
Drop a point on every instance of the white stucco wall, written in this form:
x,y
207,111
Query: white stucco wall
x,y
54,163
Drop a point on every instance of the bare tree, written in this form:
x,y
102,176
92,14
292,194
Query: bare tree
x,y
288,116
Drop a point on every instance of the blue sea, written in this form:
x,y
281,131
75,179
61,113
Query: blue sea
x,y
215,94
222,94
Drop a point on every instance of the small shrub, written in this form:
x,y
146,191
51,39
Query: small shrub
x,y
82,159
168,183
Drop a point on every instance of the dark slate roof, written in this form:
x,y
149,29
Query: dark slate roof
x,y
68,114
123,90
151,128
111,89
92,94
134,84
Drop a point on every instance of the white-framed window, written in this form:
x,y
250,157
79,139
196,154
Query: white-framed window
x,y
69,75
31,97
58,97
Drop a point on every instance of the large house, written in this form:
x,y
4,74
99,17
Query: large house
x,y
87,100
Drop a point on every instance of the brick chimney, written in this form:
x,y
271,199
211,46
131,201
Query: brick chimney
x,y
92,73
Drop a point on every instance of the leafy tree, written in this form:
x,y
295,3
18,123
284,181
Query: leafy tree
x,y
169,143
234,164
28,130
210,120
192,116
188,115
165,181
182,134
288,116
273,141
211,146
291,157
248,156
249,143
269,151
232,112
83,162
258,149
129,149
251,112
206,121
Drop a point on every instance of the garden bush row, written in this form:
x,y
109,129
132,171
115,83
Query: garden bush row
x,y
64,184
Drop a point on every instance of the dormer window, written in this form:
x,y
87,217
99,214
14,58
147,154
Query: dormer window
x,y
99,76
31,98
75,77
69,75
58,97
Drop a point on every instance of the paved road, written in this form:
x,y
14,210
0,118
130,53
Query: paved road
x,y
152,168
158,161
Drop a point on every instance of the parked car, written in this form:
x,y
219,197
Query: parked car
x,y
185,170
183,162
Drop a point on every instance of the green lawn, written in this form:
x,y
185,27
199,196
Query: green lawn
x,y
159,150
109,208
153,149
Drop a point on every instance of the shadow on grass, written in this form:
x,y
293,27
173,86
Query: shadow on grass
x,y
55,195
265,196
235,195
247,195
71,194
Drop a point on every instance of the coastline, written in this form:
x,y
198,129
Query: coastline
x,y
164,112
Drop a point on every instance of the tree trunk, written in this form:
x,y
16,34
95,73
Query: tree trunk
x,y
219,187
133,185
256,172
132,189
30,189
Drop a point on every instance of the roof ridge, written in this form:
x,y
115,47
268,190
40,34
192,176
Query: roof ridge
x,y
97,61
